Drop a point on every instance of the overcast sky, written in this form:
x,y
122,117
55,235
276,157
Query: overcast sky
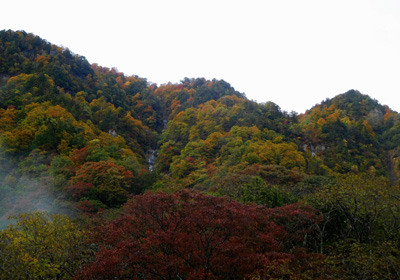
x,y
295,53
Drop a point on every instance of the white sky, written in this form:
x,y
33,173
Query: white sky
x,y
294,53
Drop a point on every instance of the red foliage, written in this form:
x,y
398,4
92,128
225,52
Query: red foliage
x,y
79,190
298,220
86,206
191,236
143,171
79,156
190,159
211,170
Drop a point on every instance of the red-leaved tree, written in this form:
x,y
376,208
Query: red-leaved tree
x,y
187,235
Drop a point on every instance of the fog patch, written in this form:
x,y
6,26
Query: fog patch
x,y
23,191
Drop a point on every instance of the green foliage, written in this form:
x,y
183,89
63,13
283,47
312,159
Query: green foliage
x,y
359,207
354,260
259,192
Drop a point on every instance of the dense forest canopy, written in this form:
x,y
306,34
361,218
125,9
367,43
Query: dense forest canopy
x,y
189,180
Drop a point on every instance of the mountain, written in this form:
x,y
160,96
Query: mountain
x,y
59,110
353,133
81,139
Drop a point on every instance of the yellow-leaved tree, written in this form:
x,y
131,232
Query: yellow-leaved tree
x,y
42,246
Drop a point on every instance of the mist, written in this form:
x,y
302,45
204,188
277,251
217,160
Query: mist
x,y
26,186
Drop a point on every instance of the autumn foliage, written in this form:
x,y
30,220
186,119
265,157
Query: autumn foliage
x,y
191,236
273,195
103,181
42,246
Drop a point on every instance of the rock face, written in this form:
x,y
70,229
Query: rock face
x,y
393,166
112,132
315,149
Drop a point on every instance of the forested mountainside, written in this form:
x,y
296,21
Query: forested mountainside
x,y
188,180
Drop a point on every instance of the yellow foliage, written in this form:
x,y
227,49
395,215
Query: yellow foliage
x,y
42,246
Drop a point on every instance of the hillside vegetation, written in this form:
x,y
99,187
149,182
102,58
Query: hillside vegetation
x,y
111,177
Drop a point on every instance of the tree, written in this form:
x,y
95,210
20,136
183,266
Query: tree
x,y
110,182
187,235
360,232
258,191
42,246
